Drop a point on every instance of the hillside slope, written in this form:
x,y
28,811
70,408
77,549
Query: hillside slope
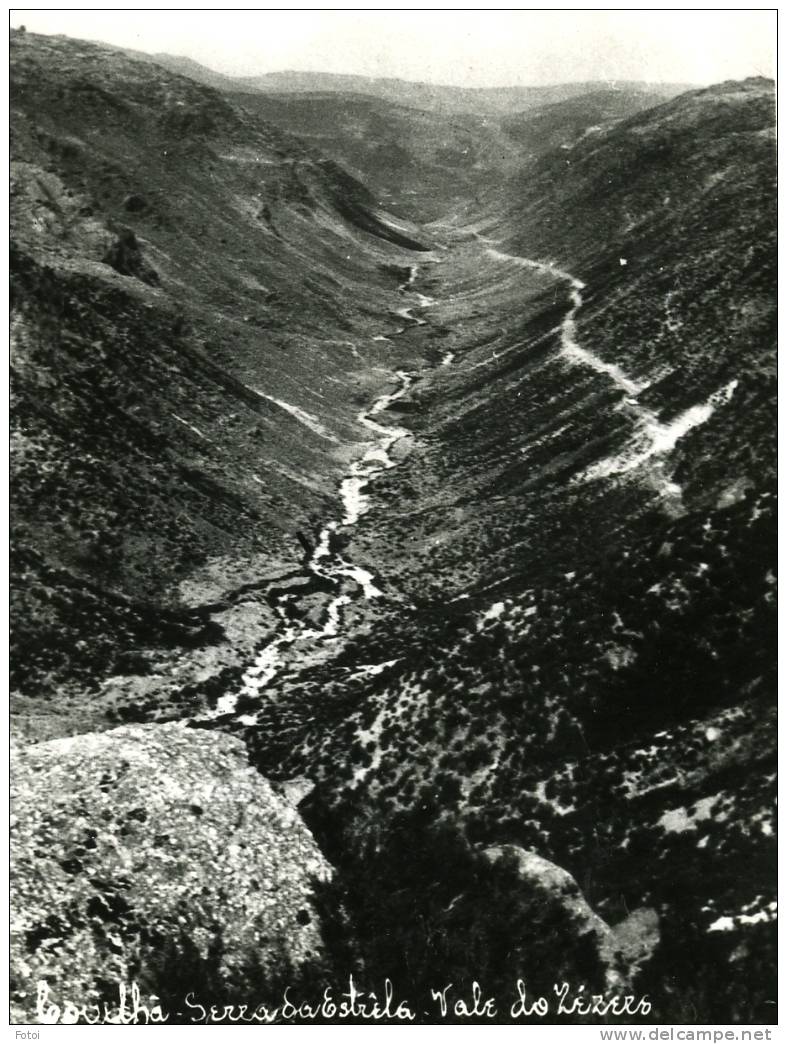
x,y
581,545
417,162
425,163
195,298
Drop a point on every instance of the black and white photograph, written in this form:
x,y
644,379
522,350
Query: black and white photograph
x,y
393,530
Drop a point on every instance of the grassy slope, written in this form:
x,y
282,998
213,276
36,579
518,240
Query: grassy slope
x,y
418,162
426,163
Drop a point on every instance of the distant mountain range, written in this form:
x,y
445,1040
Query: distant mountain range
x,y
440,98
445,99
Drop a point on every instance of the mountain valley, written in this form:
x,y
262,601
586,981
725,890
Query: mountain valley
x,y
412,467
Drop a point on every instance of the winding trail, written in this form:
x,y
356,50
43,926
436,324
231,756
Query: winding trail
x,y
652,440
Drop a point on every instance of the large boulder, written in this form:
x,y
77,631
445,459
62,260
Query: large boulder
x,y
124,254
155,855
620,951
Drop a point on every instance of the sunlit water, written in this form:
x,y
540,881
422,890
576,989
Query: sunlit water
x,y
325,561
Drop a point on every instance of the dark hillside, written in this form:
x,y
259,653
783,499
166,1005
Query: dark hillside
x,y
417,162
564,123
673,228
427,163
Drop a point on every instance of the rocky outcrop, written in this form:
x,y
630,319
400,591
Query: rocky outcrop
x,y
135,203
156,855
620,951
125,256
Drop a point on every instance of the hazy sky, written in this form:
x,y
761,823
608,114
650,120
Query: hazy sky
x,y
466,47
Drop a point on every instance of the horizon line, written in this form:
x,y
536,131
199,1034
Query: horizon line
x,y
382,79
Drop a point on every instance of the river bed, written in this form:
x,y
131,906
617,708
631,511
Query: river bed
x,y
325,564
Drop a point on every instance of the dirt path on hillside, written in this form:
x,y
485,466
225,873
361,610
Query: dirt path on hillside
x,y
652,441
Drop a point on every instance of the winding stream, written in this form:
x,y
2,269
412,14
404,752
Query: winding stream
x,y
326,567
327,570
424,301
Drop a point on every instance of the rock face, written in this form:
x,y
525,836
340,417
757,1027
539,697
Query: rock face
x,y
154,854
621,950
